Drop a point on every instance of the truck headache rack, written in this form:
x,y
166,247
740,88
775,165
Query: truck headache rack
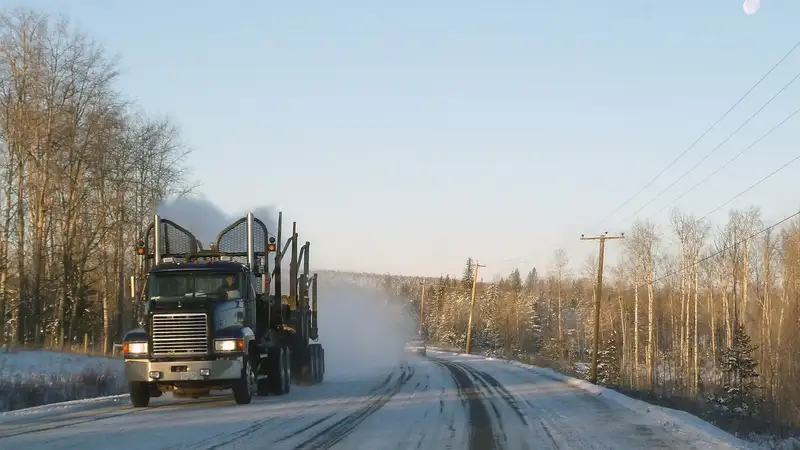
x,y
249,242
169,239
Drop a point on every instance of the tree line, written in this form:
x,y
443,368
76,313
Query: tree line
x,y
81,169
690,311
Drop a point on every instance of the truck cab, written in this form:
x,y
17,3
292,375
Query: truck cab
x,y
200,322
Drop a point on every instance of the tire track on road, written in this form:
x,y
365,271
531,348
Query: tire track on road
x,y
561,426
481,434
489,394
336,432
220,440
419,421
60,423
512,402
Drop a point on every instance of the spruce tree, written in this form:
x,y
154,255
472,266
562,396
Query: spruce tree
x,y
532,280
490,338
739,397
608,369
515,281
466,279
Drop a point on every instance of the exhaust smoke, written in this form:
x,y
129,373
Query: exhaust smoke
x,y
751,6
205,220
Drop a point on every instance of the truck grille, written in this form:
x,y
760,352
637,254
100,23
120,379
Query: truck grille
x,y
180,334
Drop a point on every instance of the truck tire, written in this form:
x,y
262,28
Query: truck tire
x,y
287,364
308,368
316,364
277,372
140,393
319,361
311,375
245,387
322,362
263,385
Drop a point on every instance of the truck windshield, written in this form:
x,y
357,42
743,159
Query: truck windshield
x,y
188,285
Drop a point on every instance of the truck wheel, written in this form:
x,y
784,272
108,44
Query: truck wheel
x,y
244,387
140,393
311,374
316,370
277,375
263,384
319,364
322,363
287,364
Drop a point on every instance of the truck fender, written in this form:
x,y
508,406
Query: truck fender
x,y
136,335
235,332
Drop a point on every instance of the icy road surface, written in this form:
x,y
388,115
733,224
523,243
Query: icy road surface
x,y
446,401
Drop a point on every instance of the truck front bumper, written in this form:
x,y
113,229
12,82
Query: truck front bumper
x,y
170,371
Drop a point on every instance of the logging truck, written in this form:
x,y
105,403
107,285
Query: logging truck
x,y
217,319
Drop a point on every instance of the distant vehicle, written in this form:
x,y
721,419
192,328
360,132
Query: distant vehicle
x,y
416,345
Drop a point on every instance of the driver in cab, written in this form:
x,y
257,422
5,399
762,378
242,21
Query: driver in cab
x,y
228,290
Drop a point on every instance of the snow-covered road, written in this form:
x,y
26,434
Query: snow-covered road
x,y
446,401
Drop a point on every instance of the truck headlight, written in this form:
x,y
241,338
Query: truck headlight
x,y
229,345
134,348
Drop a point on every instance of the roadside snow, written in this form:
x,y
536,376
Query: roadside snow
x,y
665,416
31,378
28,362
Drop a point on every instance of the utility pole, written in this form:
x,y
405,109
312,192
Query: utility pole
x,y
597,295
472,306
422,309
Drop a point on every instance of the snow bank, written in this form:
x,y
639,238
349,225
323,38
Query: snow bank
x,y
668,417
31,378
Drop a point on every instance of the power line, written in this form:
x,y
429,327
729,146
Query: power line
x,y
653,180
727,202
772,69
751,187
735,157
785,165
715,254
718,146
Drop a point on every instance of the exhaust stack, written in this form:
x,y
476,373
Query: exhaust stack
x,y
157,238
251,254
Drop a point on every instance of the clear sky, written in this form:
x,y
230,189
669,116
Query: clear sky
x,y
406,136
